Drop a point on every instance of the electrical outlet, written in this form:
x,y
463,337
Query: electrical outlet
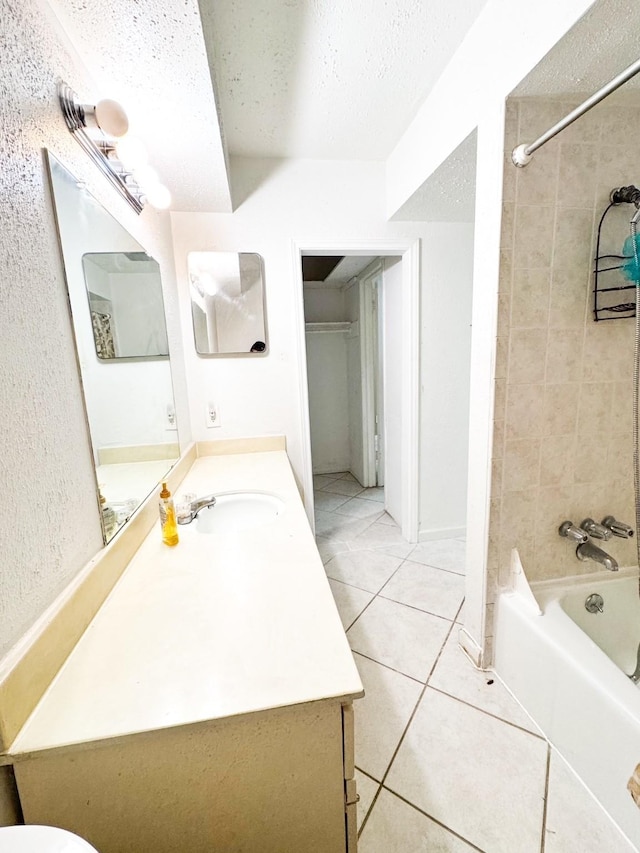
x,y
212,415
171,418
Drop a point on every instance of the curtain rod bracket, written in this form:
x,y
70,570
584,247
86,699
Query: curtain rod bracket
x,y
520,156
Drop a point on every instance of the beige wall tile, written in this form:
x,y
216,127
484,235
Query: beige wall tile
x,y
500,399
560,411
537,183
622,407
498,439
521,464
591,458
533,237
506,232
504,313
502,357
524,413
570,295
557,460
577,176
594,408
564,355
527,356
506,265
572,238
530,298
620,457
563,449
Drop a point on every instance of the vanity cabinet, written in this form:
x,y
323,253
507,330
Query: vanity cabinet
x,y
207,708
269,782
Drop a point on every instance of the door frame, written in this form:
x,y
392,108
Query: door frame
x,y
409,252
371,367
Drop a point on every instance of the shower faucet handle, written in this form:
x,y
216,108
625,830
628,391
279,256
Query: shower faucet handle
x,y
568,529
597,531
618,528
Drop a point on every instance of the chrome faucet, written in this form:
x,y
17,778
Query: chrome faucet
x,y
589,551
196,506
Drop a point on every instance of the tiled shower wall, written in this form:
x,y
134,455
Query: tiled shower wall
x,y
563,427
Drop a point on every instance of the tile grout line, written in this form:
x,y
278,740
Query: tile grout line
x,y
406,728
545,800
433,819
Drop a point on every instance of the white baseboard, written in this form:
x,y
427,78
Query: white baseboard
x,y
443,533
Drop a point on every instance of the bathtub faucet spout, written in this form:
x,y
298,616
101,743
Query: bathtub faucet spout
x,y
589,551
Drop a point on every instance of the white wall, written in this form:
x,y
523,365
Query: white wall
x,y
319,201
328,401
445,366
324,305
392,331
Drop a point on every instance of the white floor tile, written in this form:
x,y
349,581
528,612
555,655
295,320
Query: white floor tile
x,y
347,475
327,502
360,509
575,820
395,827
433,590
339,527
373,494
343,487
482,778
455,674
367,788
349,601
368,570
382,716
382,535
446,554
320,480
405,639
328,548
385,518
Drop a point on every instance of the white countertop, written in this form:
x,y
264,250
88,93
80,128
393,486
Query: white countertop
x,y
220,625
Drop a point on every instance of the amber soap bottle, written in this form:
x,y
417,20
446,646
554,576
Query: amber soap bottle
x,y
168,517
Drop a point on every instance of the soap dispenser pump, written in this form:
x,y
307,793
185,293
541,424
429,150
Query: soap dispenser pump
x,y
168,517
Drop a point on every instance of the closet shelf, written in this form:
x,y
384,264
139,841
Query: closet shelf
x,y
328,327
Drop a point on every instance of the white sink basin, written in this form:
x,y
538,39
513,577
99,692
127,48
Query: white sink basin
x,y
41,839
236,511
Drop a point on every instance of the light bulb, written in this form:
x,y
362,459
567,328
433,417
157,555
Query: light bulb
x,y
131,152
111,117
158,196
146,176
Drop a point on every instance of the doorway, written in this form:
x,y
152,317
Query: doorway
x,y
361,425
344,334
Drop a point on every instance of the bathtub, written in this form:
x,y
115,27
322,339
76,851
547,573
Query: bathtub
x,y
568,668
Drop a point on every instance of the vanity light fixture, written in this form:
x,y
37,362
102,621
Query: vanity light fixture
x,y
102,131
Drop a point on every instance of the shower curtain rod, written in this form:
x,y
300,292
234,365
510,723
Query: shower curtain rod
x,y
522,154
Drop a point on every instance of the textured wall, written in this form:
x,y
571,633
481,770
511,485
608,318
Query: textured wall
x,y
50,516
562,443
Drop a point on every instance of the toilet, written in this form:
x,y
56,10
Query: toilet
x,y
41,839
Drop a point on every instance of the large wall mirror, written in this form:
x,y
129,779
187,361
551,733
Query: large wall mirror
x,y
227,303
115,296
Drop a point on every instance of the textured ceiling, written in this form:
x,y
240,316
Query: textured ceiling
x,y
601,45
150,55
449,194
324,78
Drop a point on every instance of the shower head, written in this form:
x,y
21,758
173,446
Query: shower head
x,y
625,195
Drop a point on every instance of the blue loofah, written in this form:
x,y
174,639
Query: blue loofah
x,y
630,266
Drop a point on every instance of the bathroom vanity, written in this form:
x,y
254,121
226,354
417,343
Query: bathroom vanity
x,y
208,705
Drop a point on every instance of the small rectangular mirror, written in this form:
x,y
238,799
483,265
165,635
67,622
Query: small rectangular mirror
x,y
125,300
227,303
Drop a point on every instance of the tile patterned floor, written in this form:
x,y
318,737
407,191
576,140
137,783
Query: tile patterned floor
x,y
447,760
